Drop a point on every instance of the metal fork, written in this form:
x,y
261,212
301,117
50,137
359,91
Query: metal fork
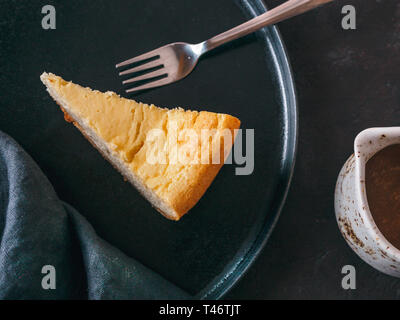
x,y
176,60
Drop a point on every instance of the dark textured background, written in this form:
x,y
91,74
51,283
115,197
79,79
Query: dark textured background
x,y
346,81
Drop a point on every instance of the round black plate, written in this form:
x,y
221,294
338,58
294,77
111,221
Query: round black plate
x,y
211,247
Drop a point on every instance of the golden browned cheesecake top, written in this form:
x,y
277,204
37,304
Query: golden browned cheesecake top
x,y
136,131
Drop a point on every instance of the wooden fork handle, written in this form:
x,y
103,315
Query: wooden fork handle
x,y
285,11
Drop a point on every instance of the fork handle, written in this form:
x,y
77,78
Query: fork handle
x,y
286,10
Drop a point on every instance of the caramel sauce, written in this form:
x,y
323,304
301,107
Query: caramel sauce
x,y
382,178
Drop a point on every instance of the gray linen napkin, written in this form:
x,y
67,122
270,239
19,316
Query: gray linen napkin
x,y
37,230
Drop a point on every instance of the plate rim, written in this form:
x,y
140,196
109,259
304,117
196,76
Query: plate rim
x,y
230,276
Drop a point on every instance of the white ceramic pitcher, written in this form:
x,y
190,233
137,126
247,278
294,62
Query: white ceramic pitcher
x,y
351,206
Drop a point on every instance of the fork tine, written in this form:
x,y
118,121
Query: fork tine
x,y
150,85
143,56
143,67
146,76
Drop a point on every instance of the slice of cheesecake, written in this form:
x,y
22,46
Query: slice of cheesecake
x,y
170,155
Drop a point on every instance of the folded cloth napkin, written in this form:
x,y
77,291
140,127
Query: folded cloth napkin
x,y
37,230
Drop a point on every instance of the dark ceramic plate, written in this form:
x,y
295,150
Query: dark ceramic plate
x,y
211,247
